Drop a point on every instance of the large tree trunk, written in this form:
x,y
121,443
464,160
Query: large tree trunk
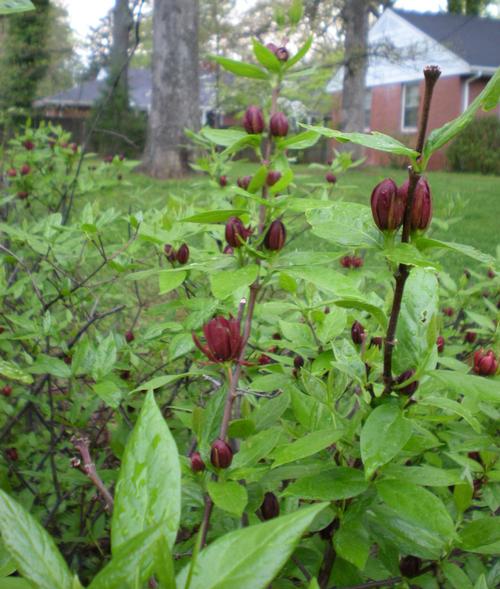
x,y
122,25
355,18
175,93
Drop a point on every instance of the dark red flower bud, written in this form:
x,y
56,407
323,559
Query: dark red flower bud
x,y
11,173
448,311
410,566
12,454
223,181
121,157
183,254
270,507
326,310
125,374
278,125
23,195
282,53
485,363
7,390
2,329
331,178
221,454
275,237
228,250
272,47
244,182
346,261
272,177
170,252
197,464
475,456
73,147
377,341
387,206
107,159
25,170
28,145
129,336
491,273
276,336
409,389
470,337
253,120
273,349
440,343
358,333
236,233
67,359
223,339
467,274
65,145
421,214
264,360
298,362
356,261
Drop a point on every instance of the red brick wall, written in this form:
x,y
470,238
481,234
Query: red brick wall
x,y
386,115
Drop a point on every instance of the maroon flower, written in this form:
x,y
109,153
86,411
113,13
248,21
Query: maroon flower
x,y
377,341
356,261
470,337
73,147
244,182
228,250
272,47
221,454
7,390
129,336
409,389
183,254
270,507
272,177
282,53
197,464
223,339
346,261
223,181
28,145
25,170
276,236
107,159
357,333
236,233
421,213
448,311
253,120
331,178
387,205
170,252
491,273
12,454
278,125
23,195
485,363
410,566
298,362
11,173
264,360
440,343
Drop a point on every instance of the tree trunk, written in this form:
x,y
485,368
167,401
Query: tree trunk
x,y
355,17
122,25
175,92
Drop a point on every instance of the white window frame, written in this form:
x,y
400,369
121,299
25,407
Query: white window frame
x,y
403,102
368,92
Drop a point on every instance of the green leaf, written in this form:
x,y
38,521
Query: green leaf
x,y
481,583
13,372
405,253
418,505
256,447
33,550
214,216
332,484
487,99
109,392
282,183
481,535
352,541
239,68
362,305
266,57
455,576
373,140
302,140
228,495
453,407
306,446
170,280
295,11
148,491
425,475
133,561
159,382
484,389
262,551
300,54
12,6
424,243
384,434
226,282
49,365
258,180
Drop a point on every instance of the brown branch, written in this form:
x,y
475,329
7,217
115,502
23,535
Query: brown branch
x,y
372,584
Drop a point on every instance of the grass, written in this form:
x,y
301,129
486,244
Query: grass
x,y
466,206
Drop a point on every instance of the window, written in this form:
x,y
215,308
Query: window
x,y
368,109
411,99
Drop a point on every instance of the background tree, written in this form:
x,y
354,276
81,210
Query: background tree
x,y
175,92
470,7
25,58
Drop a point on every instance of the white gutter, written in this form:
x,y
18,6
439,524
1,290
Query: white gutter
x,y
467,82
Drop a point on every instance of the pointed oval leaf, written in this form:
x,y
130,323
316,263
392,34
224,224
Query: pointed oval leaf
x,y
149,485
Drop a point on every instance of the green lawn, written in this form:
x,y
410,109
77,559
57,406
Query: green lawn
x,y
466,206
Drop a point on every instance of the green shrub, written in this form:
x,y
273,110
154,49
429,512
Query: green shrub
x,y
477,149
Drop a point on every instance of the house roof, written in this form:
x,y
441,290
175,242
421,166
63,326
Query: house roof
x,y
140,84
474,39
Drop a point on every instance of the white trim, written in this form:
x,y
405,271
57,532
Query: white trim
x,y
403,108
466,89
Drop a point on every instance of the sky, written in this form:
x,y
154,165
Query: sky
x,y
83,14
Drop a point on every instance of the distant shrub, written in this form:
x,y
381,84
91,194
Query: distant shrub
x,y
477,149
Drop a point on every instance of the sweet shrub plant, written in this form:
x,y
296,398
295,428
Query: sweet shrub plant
x,y
309,401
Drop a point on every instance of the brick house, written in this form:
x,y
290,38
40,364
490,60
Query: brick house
x,y
467,49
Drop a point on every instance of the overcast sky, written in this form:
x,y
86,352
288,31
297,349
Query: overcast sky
x,y
84,14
